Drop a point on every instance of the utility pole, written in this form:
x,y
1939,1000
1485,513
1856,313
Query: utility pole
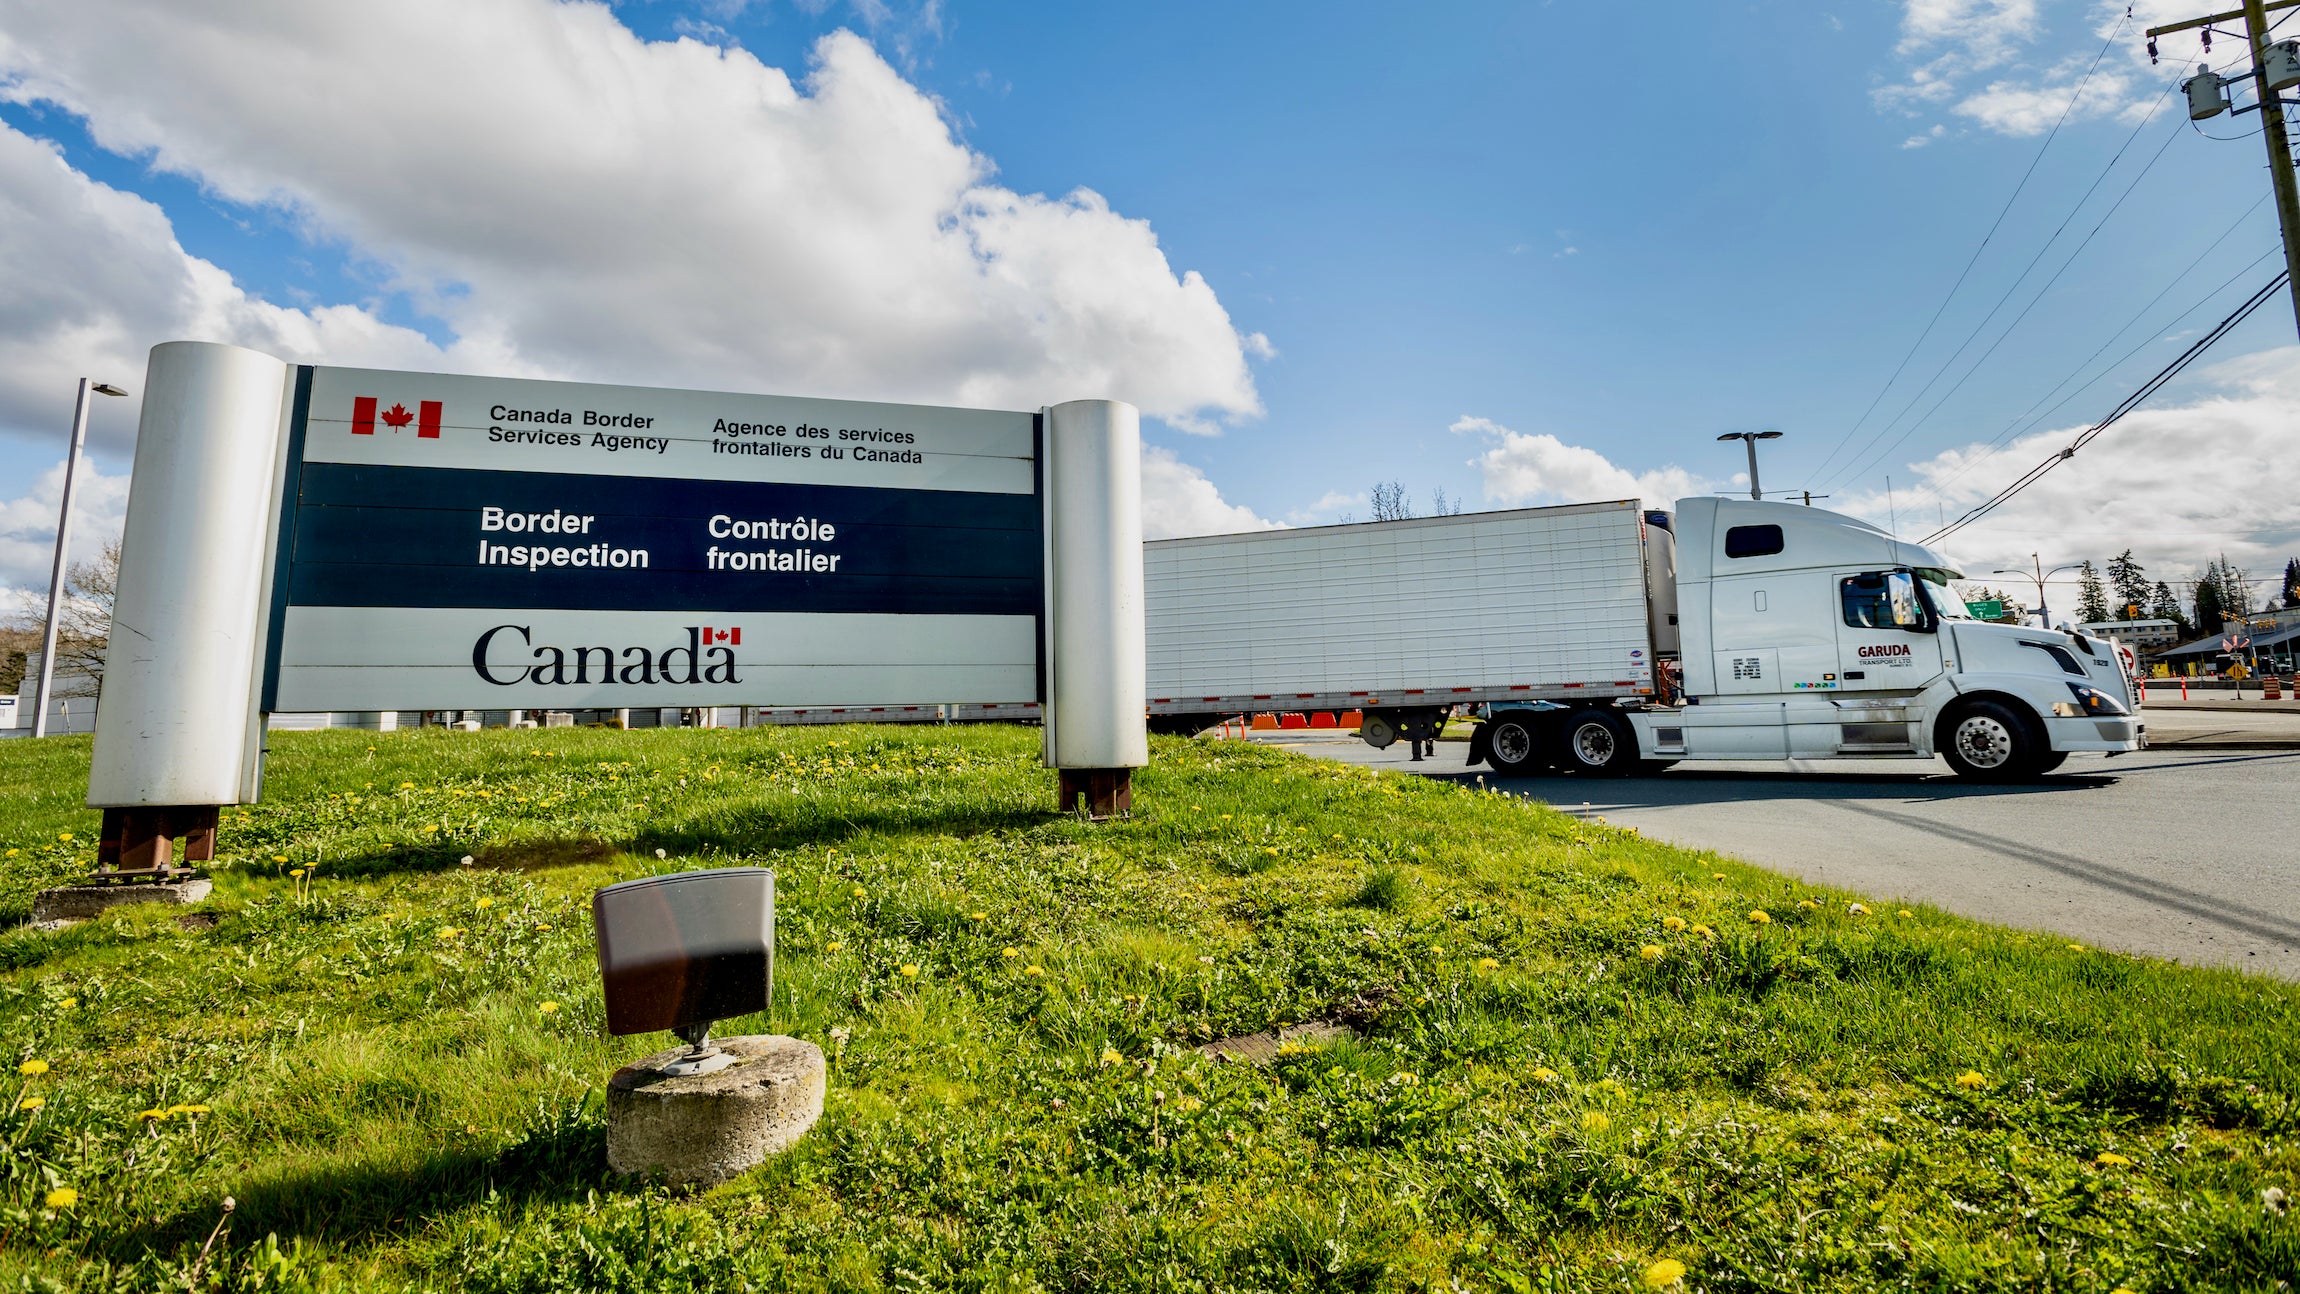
x,y
2255,16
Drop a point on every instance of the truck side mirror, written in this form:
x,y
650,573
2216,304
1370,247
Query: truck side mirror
x,y
1907,603
683,951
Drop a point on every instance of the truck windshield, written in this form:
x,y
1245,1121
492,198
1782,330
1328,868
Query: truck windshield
x,y
1941,594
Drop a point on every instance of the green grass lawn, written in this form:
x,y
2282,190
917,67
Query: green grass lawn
x,y
1582,1058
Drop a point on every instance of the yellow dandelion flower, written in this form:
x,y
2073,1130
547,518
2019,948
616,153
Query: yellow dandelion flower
x,y
2109,1159
1759,917
407,786
279,858
1703,931
485,903
1487,963
1009,953
1544,1074
1673,923
67,1004
1595,1122
1111,1056
910,970
1808,905
834,945
1716,876
32,1068
548,1008
1906,913
430,829
2076,948
63,1197
1663,1274
152,1116
296,872
978,916
1650,952
195,1110
2124,1289
1972,1080
861,893
31,1103
1034,970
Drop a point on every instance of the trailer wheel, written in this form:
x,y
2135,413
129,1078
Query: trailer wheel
x,y
1987,741
1599,743
1512,746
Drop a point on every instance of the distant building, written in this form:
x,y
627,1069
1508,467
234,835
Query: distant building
x,y
2140,635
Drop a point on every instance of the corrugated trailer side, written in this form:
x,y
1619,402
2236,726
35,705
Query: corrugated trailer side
x,y
1530,603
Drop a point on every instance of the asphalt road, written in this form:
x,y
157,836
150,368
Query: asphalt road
x,y
2180,853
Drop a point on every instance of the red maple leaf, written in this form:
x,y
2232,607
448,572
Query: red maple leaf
x,y
397,416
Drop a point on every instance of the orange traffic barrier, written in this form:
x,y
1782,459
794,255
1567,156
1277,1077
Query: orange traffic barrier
x,y
1293,719
1265,722
1322,719
2270,689
1353,719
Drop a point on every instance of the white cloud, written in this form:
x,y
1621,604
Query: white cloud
x,y
1520,468
1331,507
2178,484
571,200
1178,500
1947,47
28,525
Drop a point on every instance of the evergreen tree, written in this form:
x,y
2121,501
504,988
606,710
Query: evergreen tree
x,y
2091,597
2164,606
2234,585
2209,619
2292,583
2129,583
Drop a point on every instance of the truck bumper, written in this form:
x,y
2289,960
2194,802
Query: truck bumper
x,y
2125,734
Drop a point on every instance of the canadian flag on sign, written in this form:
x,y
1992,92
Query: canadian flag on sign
x,y
426,420
732,637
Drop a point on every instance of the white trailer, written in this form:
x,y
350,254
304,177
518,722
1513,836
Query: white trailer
x,y
1606,640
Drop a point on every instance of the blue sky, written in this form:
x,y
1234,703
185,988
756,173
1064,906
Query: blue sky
x,y
1627,229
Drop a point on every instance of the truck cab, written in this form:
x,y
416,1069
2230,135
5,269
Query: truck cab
x,y
1807,634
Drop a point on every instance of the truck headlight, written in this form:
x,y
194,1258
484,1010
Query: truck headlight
x,y
2090,703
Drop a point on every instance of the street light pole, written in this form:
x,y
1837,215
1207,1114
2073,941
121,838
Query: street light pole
x,y
63,544
1750,439
2043,613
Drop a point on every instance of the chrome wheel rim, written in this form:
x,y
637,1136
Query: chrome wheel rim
x,y
1984,742
1512,744
1593,744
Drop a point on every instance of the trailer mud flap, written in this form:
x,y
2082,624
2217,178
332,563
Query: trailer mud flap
x,y
1480,745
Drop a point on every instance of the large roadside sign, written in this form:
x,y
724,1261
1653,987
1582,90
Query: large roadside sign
x,y
473,542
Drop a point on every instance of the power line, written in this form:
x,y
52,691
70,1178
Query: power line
x,y
1851,472
2016,428
2123,407
1994,225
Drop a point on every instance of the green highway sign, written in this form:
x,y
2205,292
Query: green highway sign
x,y
1993,609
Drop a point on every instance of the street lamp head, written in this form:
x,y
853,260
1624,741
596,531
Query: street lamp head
x,y
1733,435
1768,435
106,388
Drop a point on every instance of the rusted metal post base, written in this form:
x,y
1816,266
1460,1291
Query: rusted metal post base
x,y
139,844
1107,792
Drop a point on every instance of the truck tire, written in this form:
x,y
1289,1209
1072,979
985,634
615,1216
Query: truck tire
x,y
1988,741
1512,744
1598,743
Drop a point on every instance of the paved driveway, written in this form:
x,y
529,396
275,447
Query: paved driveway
x,y
2188,854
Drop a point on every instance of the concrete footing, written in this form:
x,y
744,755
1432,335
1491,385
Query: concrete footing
x,y
59,907
703,1129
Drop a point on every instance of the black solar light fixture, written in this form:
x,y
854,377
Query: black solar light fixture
x,y
684,951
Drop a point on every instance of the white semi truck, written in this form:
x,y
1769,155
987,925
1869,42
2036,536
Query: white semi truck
x,y
1603,639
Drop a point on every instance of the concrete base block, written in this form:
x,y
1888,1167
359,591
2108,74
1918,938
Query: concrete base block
x,y
59,907
703,1129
